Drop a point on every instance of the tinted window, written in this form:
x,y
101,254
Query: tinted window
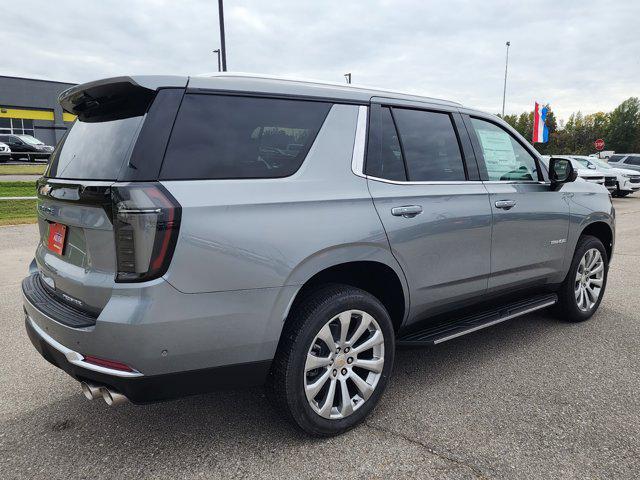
x,y
218,136
94,150
504,157
384,156
633,160
616,158
430,145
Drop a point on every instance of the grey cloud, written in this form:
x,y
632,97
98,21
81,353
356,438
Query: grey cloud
x,y
578,55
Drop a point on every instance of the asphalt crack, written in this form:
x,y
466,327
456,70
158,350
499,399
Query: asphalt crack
x,y
475,470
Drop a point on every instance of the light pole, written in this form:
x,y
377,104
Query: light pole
x,y
223,47
218,52
348,77
504,91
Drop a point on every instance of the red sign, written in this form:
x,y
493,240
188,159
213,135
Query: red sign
x,y
599,144
57,233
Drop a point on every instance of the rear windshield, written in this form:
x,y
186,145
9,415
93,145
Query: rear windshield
x,y
218,136
95,150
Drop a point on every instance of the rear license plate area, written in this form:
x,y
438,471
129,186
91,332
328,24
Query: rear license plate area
x,y
57,237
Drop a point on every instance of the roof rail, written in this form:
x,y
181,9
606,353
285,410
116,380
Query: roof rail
x,y
259,76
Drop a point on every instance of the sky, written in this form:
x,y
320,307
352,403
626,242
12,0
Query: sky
x,y
575,55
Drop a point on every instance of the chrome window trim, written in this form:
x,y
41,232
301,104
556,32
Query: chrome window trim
x,y
458,182
359,142
524,182
434,182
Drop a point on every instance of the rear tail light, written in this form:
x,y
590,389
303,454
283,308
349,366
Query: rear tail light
x,y
146,222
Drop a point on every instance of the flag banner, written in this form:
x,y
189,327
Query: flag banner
x,y
540,129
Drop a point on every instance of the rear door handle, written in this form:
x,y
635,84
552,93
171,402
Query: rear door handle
x,y
505,204
408,211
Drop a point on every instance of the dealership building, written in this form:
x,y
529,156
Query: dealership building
x,y
30,106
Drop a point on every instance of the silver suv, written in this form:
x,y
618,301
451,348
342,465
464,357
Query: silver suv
x,y
199,233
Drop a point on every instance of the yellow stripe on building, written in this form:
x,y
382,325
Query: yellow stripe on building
x,y
24,113
68,117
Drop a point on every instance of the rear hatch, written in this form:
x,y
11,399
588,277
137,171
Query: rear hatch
x,y
98,206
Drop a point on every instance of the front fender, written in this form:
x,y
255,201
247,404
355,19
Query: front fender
x,y
587,208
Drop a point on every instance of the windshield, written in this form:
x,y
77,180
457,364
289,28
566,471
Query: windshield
x,y
94,150
29,139
583,162
601,164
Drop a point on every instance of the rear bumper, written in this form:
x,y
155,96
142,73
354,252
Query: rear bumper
x,y
179,344
139,388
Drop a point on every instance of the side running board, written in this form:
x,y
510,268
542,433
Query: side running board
x,y
441,332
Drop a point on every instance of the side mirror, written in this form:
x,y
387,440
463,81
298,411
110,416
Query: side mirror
x,y
561,171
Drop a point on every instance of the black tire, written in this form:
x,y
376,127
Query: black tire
x,y
285,384
622,194
567,304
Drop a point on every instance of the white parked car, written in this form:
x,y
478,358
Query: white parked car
x,y
630,161
627,181
587,174
5,152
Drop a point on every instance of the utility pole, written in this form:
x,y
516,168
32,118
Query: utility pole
x,y
223,46
504,91
218,52
348,77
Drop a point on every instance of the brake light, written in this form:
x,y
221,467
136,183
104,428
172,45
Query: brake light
x,y
146,222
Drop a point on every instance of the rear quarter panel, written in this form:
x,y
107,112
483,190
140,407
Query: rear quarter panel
x,y
248,234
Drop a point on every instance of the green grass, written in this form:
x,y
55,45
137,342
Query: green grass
x,y
17,189
13,212
22,169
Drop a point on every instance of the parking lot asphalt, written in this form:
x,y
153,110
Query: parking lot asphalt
x,y
531,398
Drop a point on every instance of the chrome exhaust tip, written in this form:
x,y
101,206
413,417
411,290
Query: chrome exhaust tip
x,y
91,391
112,398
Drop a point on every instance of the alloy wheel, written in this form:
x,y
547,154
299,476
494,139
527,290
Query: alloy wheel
x,y
344,364
589,279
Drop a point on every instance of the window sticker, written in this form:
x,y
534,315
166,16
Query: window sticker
x,y
498,151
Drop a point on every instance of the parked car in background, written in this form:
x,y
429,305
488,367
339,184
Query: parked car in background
x,y
626,160
602,155
5,152
627,181
587,174
182,250
26,146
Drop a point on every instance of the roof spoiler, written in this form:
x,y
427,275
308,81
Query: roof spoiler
x,y
115,98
